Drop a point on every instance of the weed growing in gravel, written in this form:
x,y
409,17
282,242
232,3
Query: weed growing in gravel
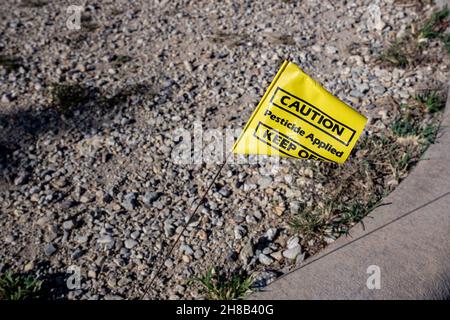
x,y
395,54
431,100
353,213
429,134
411,125
377,165
67,96
18,287
404,127
309,223
436,25
408,50
446,39
313,223
10,63
216,286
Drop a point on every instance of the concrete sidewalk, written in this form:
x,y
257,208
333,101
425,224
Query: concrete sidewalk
x,y
408,239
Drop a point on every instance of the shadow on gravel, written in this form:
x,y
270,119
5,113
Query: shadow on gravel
x,y
54,285
75,109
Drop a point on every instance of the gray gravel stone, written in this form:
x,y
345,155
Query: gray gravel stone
x,y
293,242
271,233
21,178
150,197
49,249
5,99
292,252
246,252
239,232
129,201
265,182
68,225
169,229
186,249
130,243
265,260
107,239
226,192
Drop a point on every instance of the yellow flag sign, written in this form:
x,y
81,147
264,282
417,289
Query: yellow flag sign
x,y
298,118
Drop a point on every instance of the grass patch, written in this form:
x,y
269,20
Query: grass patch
x,y
432,100
429,134
308,223
313,223
446,40
353,212
10,63
413,127
19,287
395,55
408,50
404,127
435,26
218,286
376,166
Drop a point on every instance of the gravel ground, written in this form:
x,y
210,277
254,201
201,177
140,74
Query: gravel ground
x,y
97,188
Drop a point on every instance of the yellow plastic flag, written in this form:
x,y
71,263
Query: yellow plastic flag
x,y
298,118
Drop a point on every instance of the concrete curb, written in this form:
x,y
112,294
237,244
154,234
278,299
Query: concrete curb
x,y
408,239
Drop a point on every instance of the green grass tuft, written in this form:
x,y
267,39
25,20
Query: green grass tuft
x,y
431,100
216,286
446,40
429,134
436,25
404,127
19,287
308,223
395,55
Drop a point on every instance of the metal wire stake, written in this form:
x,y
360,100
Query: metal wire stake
x,y
184,228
